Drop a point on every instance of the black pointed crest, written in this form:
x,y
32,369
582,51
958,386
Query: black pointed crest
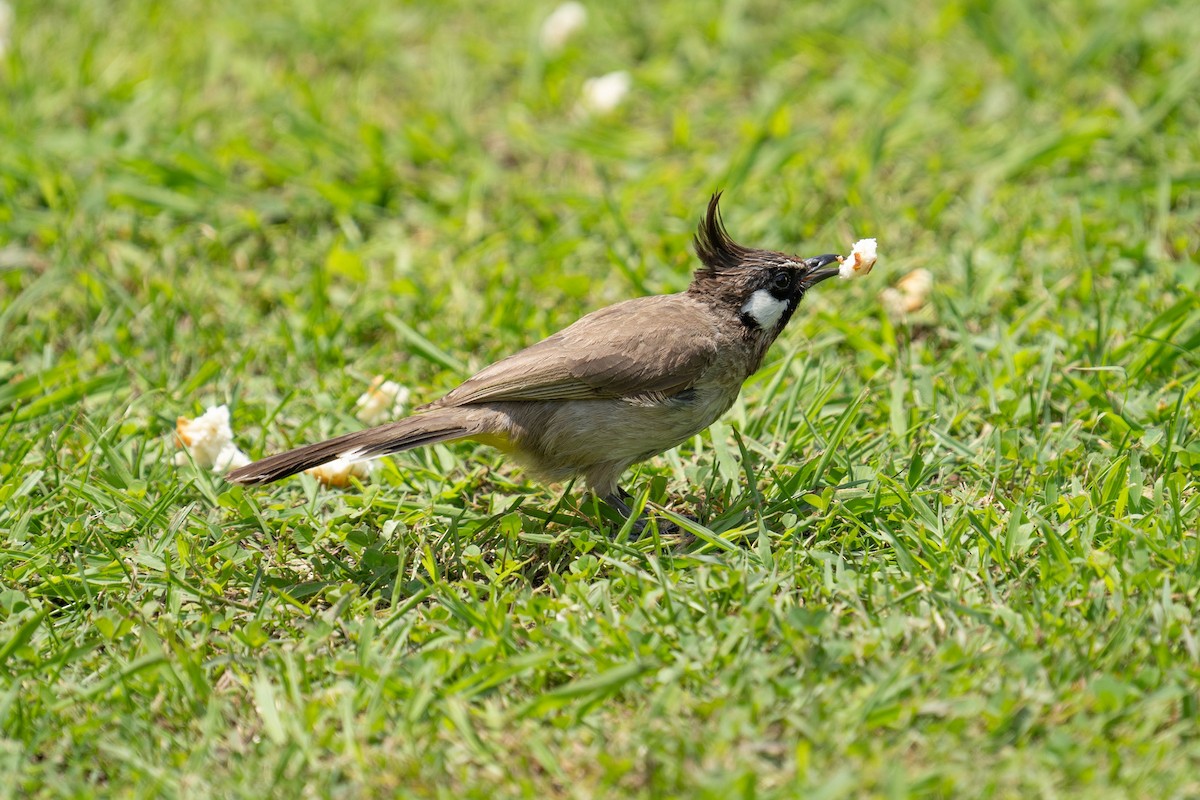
x,y
727,265
717,251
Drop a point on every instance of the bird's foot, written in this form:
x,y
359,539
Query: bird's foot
x,y
618,501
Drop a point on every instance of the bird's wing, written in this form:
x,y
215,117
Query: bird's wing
x,y
647,347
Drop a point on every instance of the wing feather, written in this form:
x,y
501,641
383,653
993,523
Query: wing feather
x,y
650,345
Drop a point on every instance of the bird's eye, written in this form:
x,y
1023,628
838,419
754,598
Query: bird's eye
x,y
782,280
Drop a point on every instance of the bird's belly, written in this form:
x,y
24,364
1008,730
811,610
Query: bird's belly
x,y
561,439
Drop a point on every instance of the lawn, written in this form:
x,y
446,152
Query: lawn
x,y
952,553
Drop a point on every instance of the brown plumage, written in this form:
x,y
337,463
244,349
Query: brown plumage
x,y
617,387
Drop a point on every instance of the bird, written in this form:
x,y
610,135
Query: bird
x,y
619,386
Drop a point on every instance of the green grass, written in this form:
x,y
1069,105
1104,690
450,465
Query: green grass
x,y
952,556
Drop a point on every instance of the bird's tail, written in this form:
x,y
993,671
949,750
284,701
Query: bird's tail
x,y
439,425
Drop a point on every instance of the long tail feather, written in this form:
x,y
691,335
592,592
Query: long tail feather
x,y
404,434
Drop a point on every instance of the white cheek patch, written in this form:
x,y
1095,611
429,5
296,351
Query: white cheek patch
x,y
764,308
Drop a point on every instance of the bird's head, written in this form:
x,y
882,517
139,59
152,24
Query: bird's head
x,y
761,287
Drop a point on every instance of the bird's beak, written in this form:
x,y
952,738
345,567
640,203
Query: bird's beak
x,y
816,273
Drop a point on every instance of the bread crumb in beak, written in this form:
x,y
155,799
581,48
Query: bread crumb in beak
x,y
208,441
860,261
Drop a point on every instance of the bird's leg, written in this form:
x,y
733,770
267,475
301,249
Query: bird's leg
x,y
616,500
